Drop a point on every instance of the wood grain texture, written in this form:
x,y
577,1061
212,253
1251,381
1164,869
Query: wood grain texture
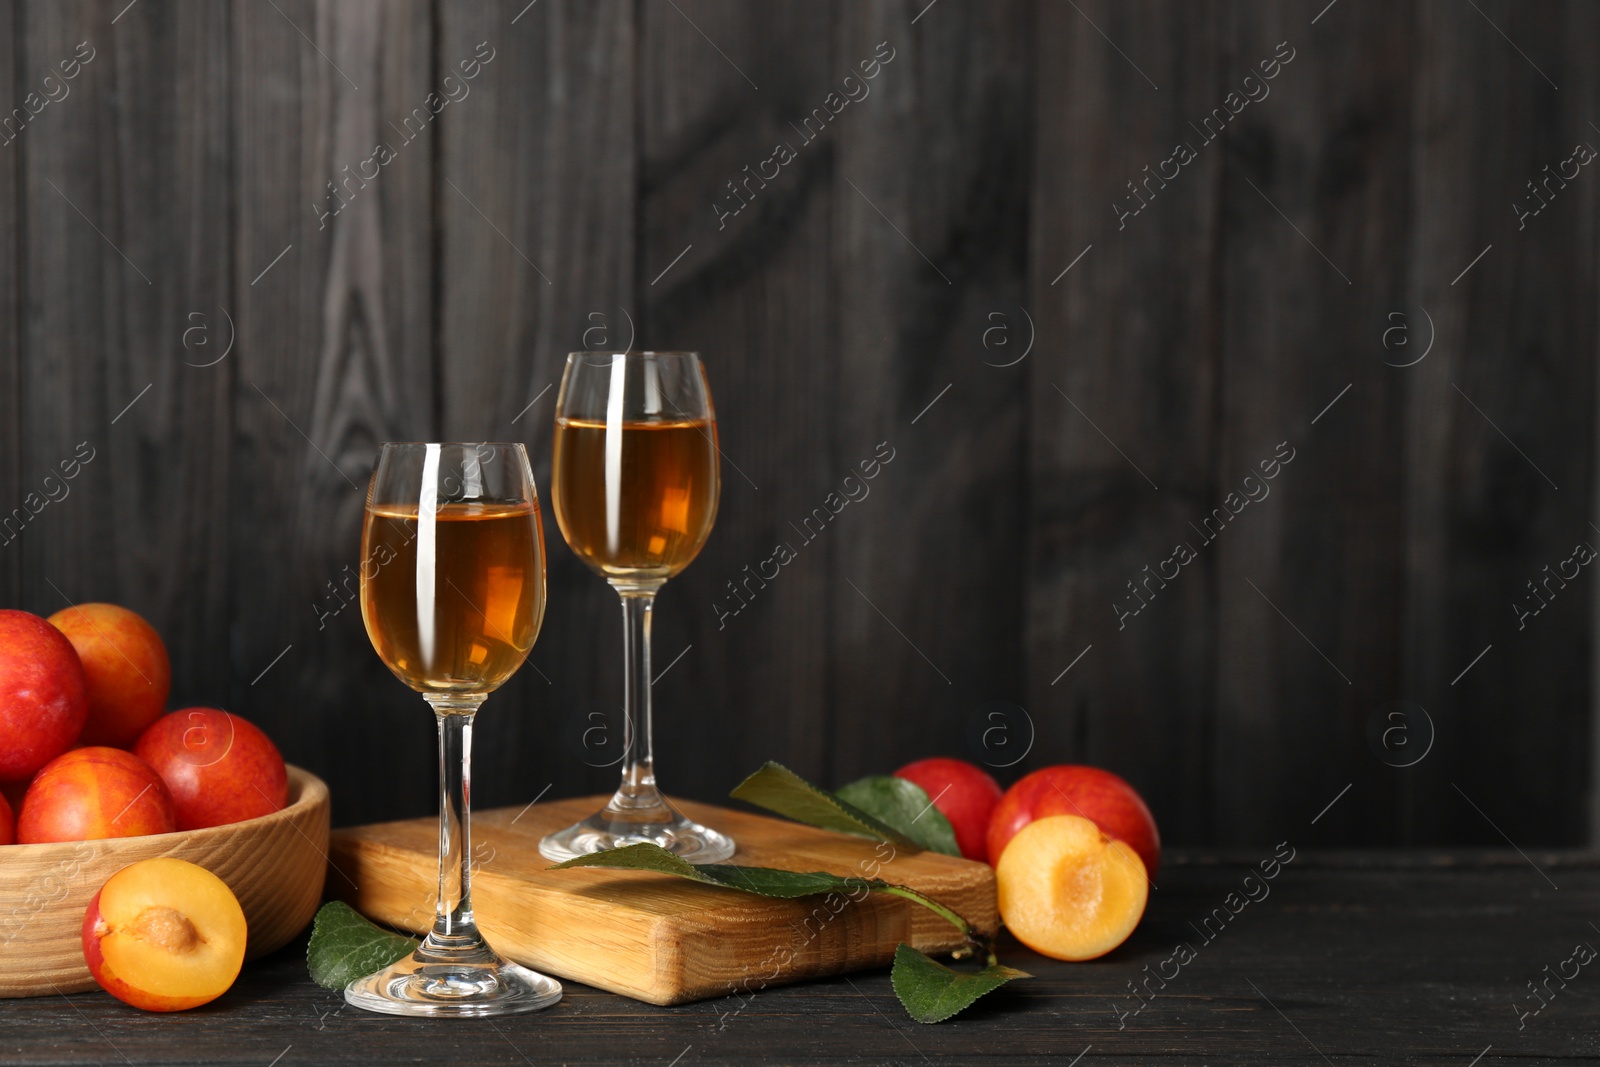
x,y
175,335
11,297
946,159
84,290
275,865
1306,594
335,356
1381,997
608,161
1122,406
658,938
536,204
1501,408
755,296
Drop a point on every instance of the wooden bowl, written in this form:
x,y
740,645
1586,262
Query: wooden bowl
x,y
275,865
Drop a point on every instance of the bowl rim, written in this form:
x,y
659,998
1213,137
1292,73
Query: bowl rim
x,y
307,792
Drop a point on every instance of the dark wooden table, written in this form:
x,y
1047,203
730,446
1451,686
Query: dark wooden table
x,y
1356,957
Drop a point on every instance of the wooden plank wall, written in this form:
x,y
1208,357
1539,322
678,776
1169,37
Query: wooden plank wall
x,y
975,261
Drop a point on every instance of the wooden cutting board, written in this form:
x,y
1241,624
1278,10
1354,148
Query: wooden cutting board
x,y
655,937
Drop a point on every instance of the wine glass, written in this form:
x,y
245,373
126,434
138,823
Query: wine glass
x,y
452,592
635,484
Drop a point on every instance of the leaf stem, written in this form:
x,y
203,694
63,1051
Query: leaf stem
x,y
933,905
975,940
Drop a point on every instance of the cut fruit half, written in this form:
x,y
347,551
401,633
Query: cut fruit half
x,y
1069,891
164,935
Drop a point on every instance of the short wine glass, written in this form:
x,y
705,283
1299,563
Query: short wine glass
x,y
635,482
453,594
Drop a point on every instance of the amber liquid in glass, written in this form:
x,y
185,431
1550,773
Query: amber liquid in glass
x,y
480,564
639,501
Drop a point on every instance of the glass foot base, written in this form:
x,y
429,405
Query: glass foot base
x,y
430,988
602,830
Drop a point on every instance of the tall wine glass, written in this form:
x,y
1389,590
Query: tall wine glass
x,y
635,484
452,592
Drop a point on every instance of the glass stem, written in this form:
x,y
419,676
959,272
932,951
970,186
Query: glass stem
x,y
637,796
454,931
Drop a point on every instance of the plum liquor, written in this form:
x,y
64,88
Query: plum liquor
x,y
635,492
453,603
452,593
635,500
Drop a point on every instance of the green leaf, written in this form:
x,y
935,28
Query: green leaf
x,y
931,992
344,946
905,806
778,789
641,857
786,885
759,880
763,881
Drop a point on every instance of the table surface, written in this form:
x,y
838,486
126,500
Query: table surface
x,y
1380,958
